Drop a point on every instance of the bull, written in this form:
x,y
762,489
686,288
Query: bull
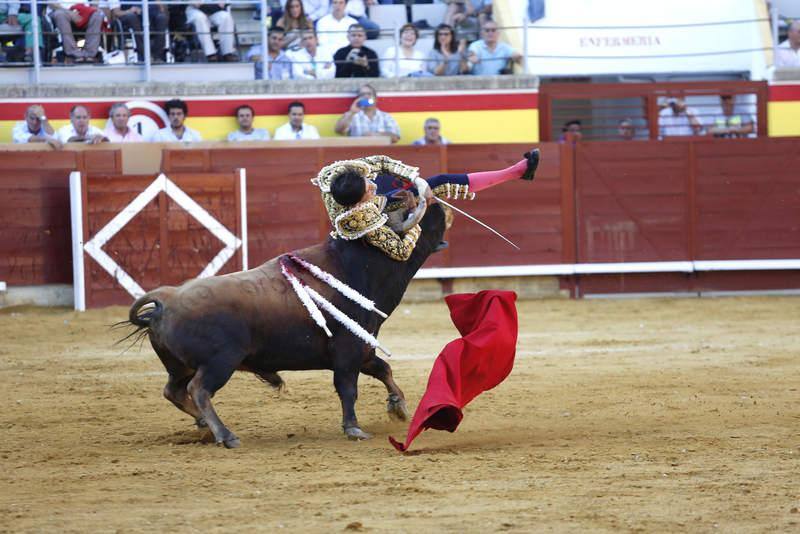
x,y
206,329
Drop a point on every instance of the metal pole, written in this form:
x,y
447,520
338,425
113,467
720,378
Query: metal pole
x,y
146,39
264,8
37,61
525,24
396,49
773,13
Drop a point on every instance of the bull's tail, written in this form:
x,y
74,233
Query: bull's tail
x,y
147,309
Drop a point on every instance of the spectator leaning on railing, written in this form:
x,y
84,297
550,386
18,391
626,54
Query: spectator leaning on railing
x,y
488,56
788,52
433,134
177,111
356,60
204,15
296,128
364,119
312,62
446,58
411,61
82,17
117,129
79,130
35,128
244,117
332,29
130,15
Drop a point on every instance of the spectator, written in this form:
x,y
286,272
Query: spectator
x,y
678,119
356,60
177,111
296,128
446,58
79,130
81,17
35,128
312,62
131,20
433,134
488,56
117,129
204,15
278,63
364,119
466,16
729,123
626,130
295,23
411,60
571,131
333,28
788,52
244,117
358,10
11,17
316,9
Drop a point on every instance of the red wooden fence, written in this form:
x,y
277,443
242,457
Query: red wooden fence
x,y
637,201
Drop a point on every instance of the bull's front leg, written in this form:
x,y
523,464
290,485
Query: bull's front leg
x,y
345,380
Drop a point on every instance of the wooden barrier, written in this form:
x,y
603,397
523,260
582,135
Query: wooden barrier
x,y
592,203
34,211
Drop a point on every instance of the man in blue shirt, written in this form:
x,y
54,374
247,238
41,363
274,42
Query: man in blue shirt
x,y
488,56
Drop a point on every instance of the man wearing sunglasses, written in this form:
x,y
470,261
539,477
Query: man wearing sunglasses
x,y
488,56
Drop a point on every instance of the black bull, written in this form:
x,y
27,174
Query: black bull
x,y
206,329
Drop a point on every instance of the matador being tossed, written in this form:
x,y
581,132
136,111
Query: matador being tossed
x,y
373,197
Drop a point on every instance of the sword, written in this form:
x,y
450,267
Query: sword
x,y
468,216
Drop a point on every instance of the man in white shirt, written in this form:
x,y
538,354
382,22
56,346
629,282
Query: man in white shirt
x,y
678,119
316,9
117,129
332,28
35,128
246,132
788,52
177,110
79,130
295,128
312,62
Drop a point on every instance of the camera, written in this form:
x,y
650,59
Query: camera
x,y
353,54
364,102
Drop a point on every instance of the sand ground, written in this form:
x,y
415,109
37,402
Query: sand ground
x,y
629,415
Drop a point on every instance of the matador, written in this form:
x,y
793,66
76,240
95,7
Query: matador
x,y
365,198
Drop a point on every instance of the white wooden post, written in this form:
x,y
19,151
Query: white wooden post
x,y
76,217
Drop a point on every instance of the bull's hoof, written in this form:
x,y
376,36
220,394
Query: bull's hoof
x,y
397,409
201,422
232,442
356,434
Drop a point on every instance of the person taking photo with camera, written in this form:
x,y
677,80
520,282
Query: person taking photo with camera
x,y
356,60
364,119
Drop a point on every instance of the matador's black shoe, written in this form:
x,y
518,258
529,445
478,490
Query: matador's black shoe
x,y
533,163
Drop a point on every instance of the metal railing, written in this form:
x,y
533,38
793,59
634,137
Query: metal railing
x,y
264,22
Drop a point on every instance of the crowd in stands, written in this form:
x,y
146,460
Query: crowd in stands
x,y
307,38
362,119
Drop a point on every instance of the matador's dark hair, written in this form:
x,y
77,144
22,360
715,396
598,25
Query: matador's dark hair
x,y
348,188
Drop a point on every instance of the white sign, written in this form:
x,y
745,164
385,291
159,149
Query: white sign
x,y
586,37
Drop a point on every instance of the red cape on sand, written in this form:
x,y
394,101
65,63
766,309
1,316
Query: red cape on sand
x,y
468,366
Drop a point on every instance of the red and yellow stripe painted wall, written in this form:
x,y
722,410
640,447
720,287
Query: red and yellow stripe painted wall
x,y
500,116
783,109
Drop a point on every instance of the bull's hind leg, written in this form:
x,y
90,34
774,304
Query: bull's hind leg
x,y
207,381
175,390
396,402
